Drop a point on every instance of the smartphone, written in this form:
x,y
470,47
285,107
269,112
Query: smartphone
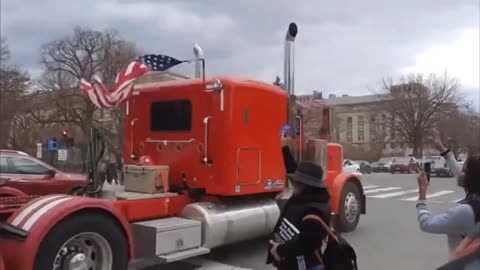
x,y
287,131
427,168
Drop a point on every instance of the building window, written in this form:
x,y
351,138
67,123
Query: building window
x,y
349,129
372,128
171,115
392,129
361,128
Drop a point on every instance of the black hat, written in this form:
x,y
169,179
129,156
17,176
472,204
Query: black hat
x,y
309,174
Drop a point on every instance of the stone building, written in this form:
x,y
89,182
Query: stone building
x,y
358,123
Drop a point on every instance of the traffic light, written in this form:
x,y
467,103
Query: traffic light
x,y
66,140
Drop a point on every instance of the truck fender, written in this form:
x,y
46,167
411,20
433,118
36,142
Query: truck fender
x,y
8,191
336,190
39,216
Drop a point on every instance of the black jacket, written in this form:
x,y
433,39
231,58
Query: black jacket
x,y
311,201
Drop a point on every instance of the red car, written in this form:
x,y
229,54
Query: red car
x,y
405,165
31,176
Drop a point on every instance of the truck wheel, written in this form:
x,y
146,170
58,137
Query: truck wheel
x,y
91,241
349,212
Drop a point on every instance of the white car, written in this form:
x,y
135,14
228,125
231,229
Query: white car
x,y
350,167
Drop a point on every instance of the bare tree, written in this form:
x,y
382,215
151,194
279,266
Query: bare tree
x,y
82,55
4,51
417,103
454,129
13,87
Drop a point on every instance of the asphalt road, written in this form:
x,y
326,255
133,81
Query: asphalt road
x,y
387,237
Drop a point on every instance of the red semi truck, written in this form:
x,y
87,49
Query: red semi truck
x,y
211,146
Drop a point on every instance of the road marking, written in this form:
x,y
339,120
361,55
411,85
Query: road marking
x,y
368,187
381,189
213,265
457,200
433,195
393,194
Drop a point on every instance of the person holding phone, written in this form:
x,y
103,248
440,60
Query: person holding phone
x,y
458,221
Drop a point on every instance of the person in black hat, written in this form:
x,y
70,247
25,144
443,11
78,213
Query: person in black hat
x,y
295,239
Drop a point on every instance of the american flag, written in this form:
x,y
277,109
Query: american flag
x,y
317,99
104,98
159,62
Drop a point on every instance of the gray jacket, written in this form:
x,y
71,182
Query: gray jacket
x,y
457,222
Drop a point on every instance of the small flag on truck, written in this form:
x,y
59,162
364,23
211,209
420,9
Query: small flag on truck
x,y
159,62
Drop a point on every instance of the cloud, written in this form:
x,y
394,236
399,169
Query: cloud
x,y
342,46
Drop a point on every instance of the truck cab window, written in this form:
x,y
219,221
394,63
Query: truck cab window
x,y
173,115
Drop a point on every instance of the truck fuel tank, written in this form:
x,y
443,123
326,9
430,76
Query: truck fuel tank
x,y
231,222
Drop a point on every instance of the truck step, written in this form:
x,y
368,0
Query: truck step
x,y
184,254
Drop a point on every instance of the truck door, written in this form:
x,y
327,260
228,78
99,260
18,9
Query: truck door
x,y
248,166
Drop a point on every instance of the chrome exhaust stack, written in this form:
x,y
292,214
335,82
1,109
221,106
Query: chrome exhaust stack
x,y
200,61
289,59
289,74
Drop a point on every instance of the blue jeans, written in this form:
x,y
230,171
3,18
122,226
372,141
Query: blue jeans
x,y
318,267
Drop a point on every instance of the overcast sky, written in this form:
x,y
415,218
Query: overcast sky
x,y
343,47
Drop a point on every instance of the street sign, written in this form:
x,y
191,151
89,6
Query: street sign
x,y
62,155
39,150
52,145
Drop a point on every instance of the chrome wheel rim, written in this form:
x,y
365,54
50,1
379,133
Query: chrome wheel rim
x,y
84,251
351,207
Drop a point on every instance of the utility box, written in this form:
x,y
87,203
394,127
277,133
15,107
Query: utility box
x,y
145,179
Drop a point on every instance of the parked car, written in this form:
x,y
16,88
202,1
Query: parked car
x,y
438,165
405,165
25,173
365,166
350,167
382,165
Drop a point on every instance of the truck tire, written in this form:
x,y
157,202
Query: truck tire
x,y
92,241
349,212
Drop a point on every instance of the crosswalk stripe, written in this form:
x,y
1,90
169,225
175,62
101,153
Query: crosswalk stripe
x,y
393,194
369,187
381,189
433,195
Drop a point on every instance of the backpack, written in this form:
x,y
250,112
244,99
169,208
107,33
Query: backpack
x,y
338,254
466,253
